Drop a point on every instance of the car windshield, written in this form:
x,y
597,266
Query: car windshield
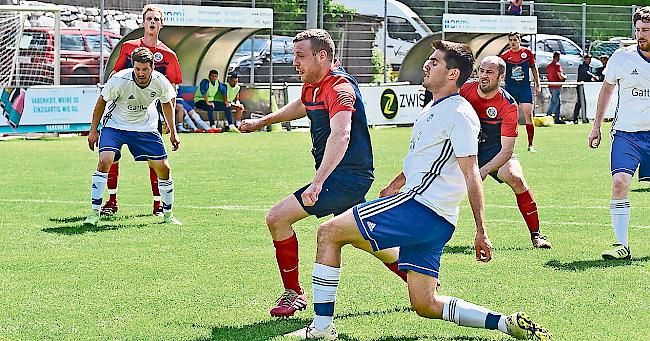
x,y
93,40
245,47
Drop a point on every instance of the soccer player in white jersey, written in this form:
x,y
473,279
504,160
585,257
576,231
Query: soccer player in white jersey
x,y
629,68
419,210
126,121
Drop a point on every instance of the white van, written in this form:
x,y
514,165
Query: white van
x,y
405,27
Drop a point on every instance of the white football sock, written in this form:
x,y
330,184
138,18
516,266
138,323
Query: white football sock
x,y
468,314
166,188
325,281
189,122
620,210
98,184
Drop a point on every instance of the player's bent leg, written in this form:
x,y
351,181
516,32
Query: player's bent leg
x,y
279,220
97,186
282,215
426,303
512,174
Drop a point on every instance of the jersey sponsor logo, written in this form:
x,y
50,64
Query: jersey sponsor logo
x,y
131,97
640,92
371,226
389,104
491,112
136,107
157,57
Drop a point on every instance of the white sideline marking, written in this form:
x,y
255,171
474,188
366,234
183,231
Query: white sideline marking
x,y
265,209
219,207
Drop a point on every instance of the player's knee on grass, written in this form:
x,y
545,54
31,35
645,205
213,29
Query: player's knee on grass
x,y
426,305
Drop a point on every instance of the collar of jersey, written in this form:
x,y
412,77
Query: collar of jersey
x,y
444,98
642,55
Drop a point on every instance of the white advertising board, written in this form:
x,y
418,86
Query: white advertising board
x,y
212,16
385,104
47,109
591,98
475,23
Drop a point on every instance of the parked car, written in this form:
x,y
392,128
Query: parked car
x,y
281,53
405,27
570,58
79,55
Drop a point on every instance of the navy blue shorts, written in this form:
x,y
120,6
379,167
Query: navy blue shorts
x,y
400,220
629,151
335,198
142,145
521,94
485,156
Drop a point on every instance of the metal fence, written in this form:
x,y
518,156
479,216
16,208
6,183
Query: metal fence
x,y
360,38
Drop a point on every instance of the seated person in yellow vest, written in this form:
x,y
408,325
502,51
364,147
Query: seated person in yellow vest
x,y
233,97
209,97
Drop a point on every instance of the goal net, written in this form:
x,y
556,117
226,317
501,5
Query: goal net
x,y
29,46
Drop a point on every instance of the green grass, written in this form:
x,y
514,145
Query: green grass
x,y
215,277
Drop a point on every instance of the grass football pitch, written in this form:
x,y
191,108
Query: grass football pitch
x,y
215,277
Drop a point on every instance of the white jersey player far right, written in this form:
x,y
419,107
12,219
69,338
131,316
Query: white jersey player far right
x,y
629,69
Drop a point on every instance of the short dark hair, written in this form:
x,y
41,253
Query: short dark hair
x,y
587,56
556,53
233,75
152,8
213,72
318,39
514,34
142,55
642,14
456,56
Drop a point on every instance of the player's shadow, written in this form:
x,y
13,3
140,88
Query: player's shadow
x,y
67,220
269,329
469,250
582,265
81,229
641,190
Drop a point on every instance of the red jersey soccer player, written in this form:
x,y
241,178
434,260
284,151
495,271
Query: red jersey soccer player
x,y
497,112
165,62
519,61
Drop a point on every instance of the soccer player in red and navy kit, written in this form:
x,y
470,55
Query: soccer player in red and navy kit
x,y
519,61
497,112
342,151
165,62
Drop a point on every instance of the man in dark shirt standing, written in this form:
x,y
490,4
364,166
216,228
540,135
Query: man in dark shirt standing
x,y
584,75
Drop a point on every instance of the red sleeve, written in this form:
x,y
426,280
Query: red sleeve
x,y
120,63
509,122
174,74
341,97
531,57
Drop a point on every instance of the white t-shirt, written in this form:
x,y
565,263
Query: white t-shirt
x,y
128,102
631,71
444,130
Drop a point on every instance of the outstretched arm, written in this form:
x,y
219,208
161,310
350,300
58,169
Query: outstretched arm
x,y
292,111
474,183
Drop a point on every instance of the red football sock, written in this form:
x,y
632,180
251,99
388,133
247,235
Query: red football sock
x,y
530,130
153,177
528,209
393,267
113,174
286,253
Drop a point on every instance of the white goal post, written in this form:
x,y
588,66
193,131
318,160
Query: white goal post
x,y
22,63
